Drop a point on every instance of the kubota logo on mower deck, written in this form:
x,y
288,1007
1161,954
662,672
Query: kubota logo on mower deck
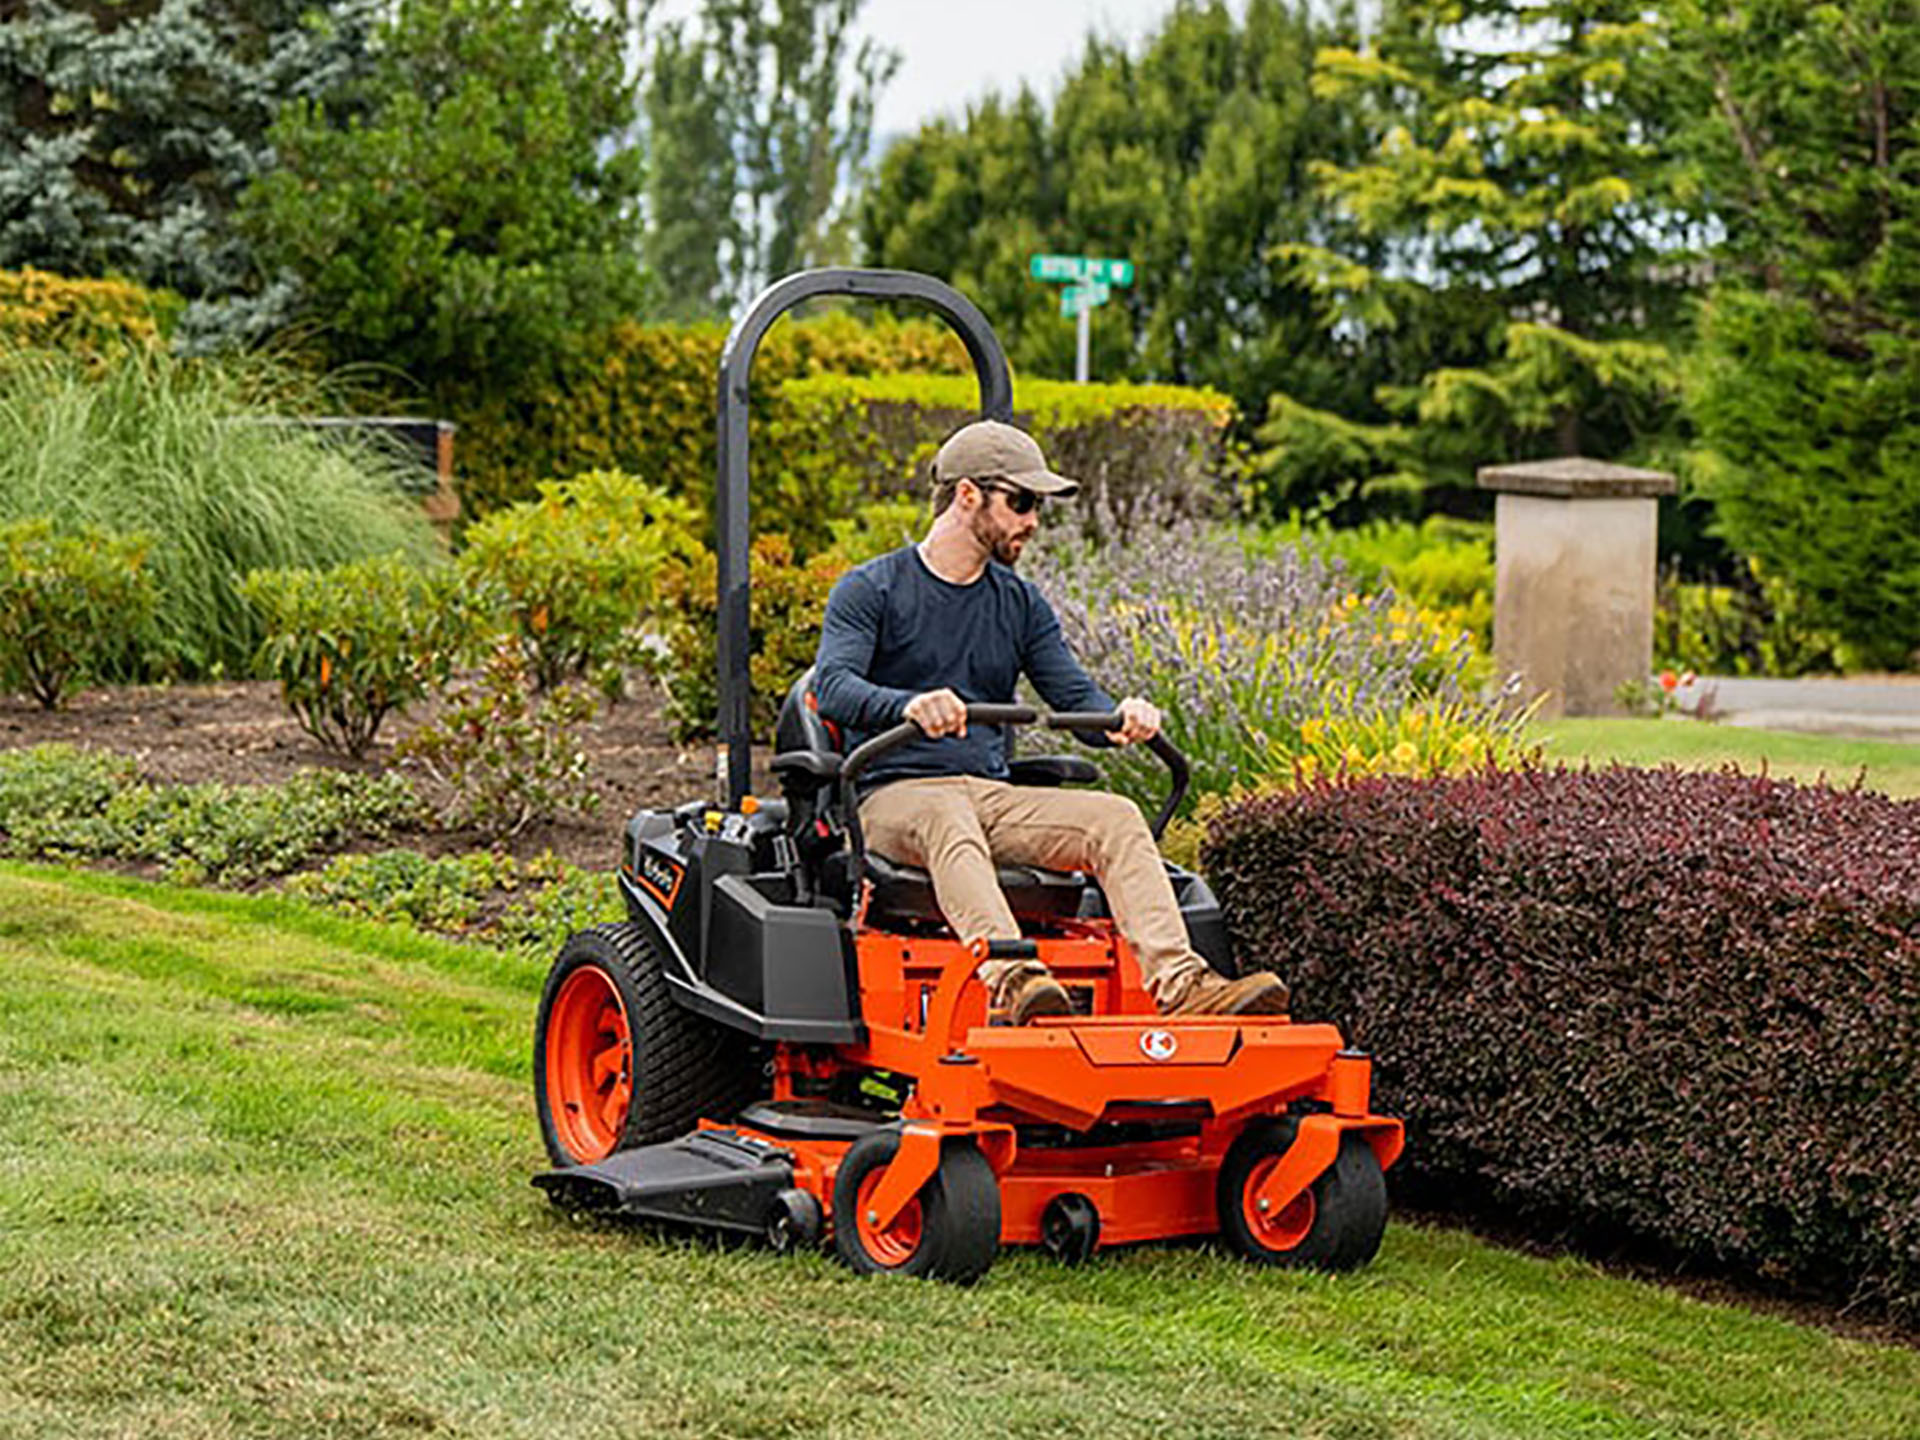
x,y
1158,1044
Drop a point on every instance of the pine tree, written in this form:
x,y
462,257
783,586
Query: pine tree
x,y
129,128
1806,392
1525,258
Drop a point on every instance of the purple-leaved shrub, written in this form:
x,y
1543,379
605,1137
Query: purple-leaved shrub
x,y
1677,1008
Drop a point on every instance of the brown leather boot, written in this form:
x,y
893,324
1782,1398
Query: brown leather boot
x,y
1033,994
1259,992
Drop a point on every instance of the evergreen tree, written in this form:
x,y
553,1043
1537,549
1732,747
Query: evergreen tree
x,y
760,118
1806,393
1528,271
129,128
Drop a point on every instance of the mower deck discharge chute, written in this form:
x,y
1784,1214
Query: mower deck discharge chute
x,y
783,1038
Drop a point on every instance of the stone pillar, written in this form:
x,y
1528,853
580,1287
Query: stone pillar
x,y
1575,562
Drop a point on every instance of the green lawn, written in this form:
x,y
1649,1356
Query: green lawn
x,y
264,1172
1889,766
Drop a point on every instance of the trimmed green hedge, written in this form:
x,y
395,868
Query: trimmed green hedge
x,y
1138,450
843,412
641,398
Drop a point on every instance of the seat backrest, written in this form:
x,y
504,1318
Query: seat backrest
x,y
800,725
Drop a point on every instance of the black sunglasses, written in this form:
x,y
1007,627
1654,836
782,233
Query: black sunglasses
x,y
1020,501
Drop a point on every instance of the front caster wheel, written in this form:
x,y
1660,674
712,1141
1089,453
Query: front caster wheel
x,y
1070,1229
949,1231
794,1223
1334,1224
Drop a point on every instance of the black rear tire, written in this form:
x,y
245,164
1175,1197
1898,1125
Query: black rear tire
x,y
680,1067
1336,1224
950,1230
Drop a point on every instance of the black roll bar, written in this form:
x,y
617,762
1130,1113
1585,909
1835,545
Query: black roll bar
x,y
730,507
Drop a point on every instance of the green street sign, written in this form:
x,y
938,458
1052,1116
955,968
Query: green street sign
x,y
1076,298
1081,268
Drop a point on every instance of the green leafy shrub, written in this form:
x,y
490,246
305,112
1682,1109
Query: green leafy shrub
x,y
578,571
1757,628
470,200
183,449
508,756
57,802
1681,1008
62,599
528,906
1813,464
787,604
351,645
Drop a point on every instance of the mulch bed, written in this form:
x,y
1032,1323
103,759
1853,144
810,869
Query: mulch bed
x,y
240,733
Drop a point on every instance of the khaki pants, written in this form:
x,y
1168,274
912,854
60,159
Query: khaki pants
x,y
956,827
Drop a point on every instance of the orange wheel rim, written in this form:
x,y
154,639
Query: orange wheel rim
x,y
1277,1230
889,1245
589,1064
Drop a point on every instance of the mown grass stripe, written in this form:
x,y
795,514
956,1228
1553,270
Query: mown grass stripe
x,y
221,1214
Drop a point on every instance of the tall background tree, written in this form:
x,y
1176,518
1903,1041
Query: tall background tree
x,y
760,116
474,202
1806,390
129,128
1190,158
1525,264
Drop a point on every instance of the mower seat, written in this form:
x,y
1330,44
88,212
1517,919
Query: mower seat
x,y
902,892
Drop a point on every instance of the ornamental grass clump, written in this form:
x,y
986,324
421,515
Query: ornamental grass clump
x,y
193,455
1677,1009
1271,667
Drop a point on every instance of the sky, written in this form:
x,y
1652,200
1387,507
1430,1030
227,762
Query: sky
x,y
954,51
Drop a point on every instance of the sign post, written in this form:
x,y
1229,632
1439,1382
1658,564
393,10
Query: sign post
x,y
1089,283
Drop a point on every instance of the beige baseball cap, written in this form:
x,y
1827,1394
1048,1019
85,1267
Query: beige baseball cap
x,y
993,450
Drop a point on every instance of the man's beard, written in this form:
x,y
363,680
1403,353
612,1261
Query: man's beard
x,y
1003,547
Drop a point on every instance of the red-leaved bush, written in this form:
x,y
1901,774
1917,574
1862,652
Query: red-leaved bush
x,y
1679,1009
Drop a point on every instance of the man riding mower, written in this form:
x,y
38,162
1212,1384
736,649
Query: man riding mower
x,y
1038,1038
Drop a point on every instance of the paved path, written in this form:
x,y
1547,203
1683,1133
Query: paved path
x,y
1881,707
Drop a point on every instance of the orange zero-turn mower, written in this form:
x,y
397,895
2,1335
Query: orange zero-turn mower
x,y
783,1037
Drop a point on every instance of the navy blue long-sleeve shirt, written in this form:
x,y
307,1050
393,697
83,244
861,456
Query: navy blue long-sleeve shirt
x,y
894,630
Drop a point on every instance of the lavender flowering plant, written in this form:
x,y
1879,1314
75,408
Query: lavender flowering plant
x,y
1270,666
